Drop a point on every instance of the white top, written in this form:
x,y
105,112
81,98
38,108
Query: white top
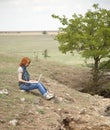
x,y
20,69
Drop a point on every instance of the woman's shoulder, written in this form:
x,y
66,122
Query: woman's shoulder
x,y
20,69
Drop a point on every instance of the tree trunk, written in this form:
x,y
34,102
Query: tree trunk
x,y
96,71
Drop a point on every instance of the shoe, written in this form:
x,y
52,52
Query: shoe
x,y
51,94
48,96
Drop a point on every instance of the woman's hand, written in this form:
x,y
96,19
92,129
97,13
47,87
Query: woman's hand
x,y
33,81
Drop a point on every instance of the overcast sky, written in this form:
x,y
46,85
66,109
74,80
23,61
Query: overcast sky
x,y
33,15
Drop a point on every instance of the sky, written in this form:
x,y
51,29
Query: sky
x,y
35,15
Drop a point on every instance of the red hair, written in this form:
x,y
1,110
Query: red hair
x,y
24,61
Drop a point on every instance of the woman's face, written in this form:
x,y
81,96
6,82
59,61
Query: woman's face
x,y
27,64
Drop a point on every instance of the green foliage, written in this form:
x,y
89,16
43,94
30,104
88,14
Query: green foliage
x,y
105,65
105,91
45,53
88,34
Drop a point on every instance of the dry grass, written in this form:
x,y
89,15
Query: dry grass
x,y
36,113
11,106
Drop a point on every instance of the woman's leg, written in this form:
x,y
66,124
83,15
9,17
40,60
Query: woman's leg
x,y
41,88
32,86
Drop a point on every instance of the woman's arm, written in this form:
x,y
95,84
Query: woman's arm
x,y
24,81
20,78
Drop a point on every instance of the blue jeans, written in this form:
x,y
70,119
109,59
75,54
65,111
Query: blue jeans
x,y
32,86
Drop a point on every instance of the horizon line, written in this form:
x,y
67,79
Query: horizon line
x,y
28,30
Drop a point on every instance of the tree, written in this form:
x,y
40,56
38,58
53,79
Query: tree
x,y
44,32
88,34
45,53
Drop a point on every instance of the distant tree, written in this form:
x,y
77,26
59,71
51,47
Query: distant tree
x,y
45,53
44,32
88,34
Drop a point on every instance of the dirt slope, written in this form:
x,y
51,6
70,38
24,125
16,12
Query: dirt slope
x,y
69,110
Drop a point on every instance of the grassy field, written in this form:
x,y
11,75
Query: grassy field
x,y
34,45
28,113
31,110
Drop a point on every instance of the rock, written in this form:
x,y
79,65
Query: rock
x,y
83,111
4,91
13,122
22,99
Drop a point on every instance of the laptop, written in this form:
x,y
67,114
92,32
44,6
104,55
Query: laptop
x,y
39,77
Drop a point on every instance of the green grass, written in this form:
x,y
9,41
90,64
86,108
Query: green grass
x,y
33,46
